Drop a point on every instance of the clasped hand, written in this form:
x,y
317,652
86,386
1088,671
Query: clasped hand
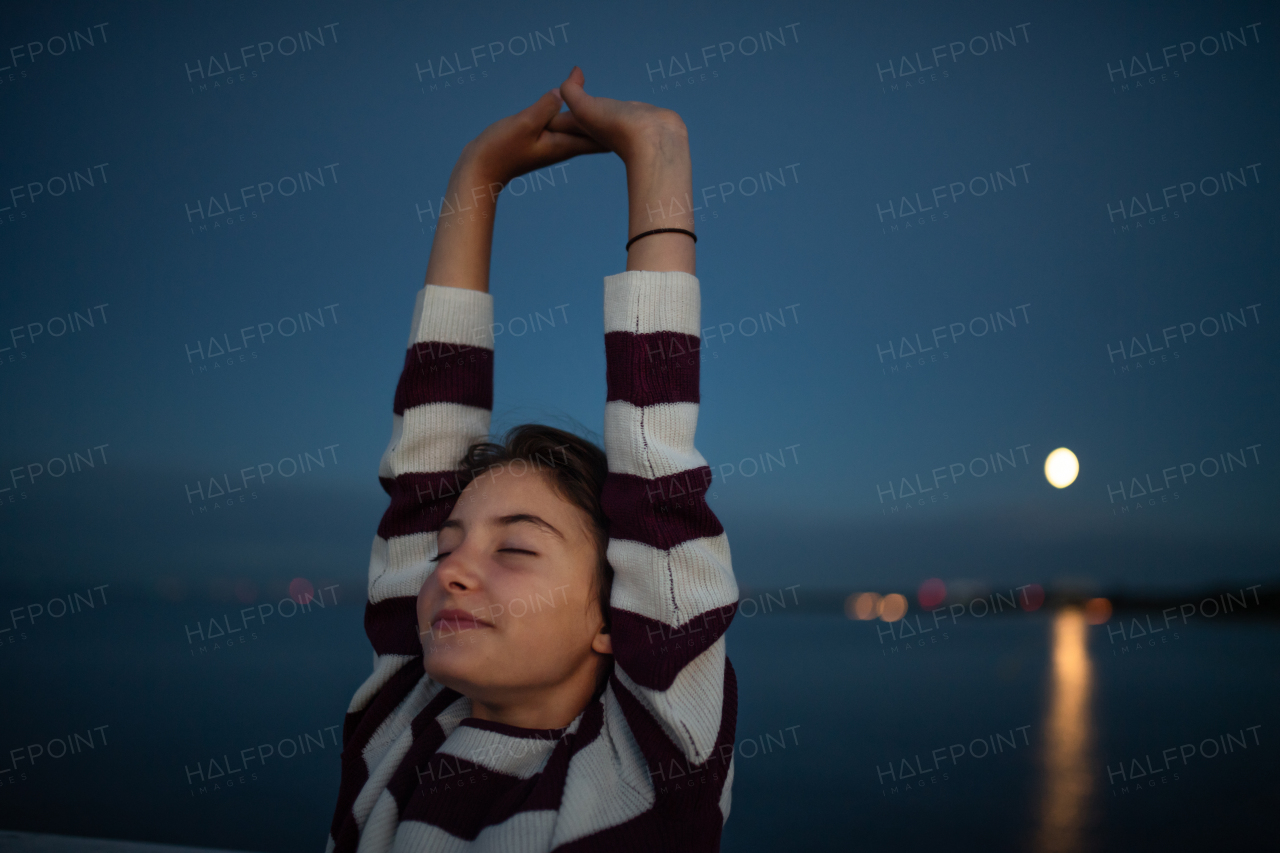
x,y
541,135
652,142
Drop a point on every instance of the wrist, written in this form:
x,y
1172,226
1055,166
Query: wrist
x,y
660,199
472,186
471,169
656,148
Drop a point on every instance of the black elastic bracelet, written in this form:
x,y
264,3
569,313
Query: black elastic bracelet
x,y
660,231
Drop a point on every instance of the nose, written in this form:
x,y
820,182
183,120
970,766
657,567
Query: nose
x,y
456,572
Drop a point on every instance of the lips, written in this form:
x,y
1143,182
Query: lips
x,y
453,621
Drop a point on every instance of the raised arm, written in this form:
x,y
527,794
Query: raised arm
x,y
537,136
445,393
653,144
674,592
442,404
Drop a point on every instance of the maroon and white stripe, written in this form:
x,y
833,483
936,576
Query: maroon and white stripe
x,y
442,404
418,772
674,593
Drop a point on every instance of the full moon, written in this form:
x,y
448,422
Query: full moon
x,y
1061,468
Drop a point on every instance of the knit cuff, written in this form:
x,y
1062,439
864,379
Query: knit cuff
x,y
452,315
646,301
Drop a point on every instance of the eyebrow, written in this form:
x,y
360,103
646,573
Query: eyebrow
x,y
517,518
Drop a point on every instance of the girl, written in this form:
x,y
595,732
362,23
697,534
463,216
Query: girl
x,y
547,618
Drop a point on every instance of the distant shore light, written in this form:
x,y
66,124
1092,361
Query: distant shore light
x,y
1097,611
893,607
862,606
931,593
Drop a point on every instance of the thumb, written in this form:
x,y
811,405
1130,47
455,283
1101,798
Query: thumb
x,y
580,103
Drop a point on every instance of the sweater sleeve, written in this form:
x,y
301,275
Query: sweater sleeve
x,y
442,405
674,592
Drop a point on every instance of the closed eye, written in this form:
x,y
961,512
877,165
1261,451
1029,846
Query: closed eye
x,y
438,557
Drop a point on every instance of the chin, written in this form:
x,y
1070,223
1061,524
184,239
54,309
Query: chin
x,y
446,675
450,664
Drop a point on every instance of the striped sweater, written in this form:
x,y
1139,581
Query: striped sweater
x,y
648,765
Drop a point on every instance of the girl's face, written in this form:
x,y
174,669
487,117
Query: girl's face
x,y
509,615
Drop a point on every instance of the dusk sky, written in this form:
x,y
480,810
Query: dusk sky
x,y
917,255
936,242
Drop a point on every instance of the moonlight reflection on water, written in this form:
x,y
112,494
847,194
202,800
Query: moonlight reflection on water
x,y
1067,787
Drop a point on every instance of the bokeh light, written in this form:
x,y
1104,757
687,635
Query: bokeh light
x,y
931,593
301,590
862,605
1031,597
1097,611
893,607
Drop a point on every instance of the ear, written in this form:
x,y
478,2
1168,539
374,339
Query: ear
x,y
602,643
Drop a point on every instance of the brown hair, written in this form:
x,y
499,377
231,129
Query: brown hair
x,y
576,470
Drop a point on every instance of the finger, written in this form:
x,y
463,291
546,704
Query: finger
x,y
562,146
545,108
577,77
556,150
566,122
580,103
